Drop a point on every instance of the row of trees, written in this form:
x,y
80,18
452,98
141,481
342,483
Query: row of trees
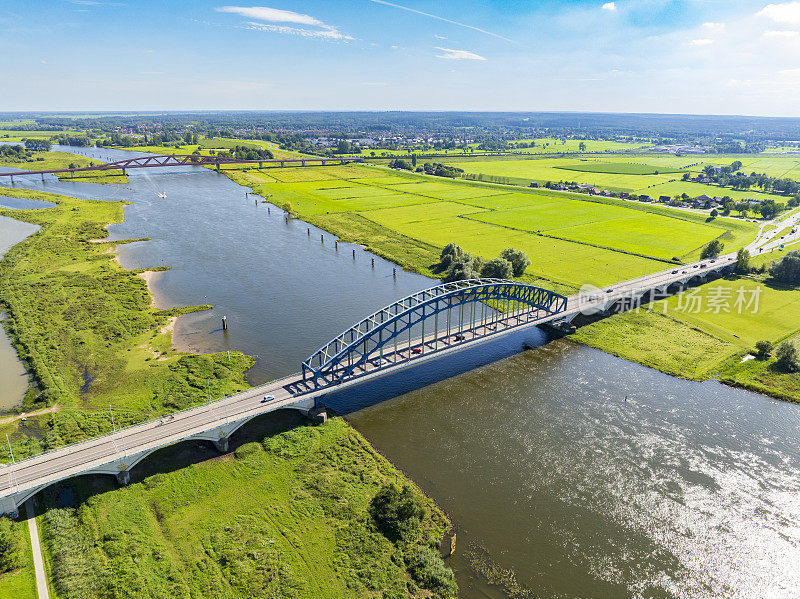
x,y
732,176
247,153
459,265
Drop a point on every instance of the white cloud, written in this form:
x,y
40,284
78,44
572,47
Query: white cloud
x,y
701,42
786,12
780,34
714,26
450,54
276,15
612,6
439,37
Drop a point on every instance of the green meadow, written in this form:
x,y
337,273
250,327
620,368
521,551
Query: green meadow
x,y
571,239
284,516
651,174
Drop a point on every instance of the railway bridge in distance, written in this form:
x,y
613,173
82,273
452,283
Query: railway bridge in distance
x,y
424,326
172,160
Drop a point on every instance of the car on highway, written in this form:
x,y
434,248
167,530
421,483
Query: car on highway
x,y
416,350
268,398
674,272
460,337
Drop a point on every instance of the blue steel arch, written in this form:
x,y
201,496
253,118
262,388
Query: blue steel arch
x,y
349,354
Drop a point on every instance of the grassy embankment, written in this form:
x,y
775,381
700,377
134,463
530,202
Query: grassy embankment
x,y
44,161
286,517
571,240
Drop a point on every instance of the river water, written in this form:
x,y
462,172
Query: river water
x,y
13,378
587,475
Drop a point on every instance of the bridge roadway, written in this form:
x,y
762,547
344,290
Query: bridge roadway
x,y
118,452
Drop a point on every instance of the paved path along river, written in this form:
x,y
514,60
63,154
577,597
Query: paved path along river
x,y
684,490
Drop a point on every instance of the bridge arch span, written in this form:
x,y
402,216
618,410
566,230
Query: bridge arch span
x,y
402,325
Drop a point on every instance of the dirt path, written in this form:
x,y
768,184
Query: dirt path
x,y
38,562
50,410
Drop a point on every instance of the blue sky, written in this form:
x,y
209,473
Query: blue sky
x,y
674,56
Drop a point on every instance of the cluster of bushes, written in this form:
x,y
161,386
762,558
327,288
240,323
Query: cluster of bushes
x,y
15,153
788,358
441,170
399,514
458,264
12,546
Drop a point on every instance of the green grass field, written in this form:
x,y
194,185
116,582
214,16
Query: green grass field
x,y
571,239
651,174
285,516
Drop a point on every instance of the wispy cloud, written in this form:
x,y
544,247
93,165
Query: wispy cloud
x,y
452,22
701,42
271,16
786,12
714,26
450,54
612,6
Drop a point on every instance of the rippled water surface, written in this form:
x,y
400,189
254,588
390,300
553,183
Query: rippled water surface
x,y
588,475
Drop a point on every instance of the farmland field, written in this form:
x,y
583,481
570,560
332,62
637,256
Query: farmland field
x,y
571,239
652,174
617,168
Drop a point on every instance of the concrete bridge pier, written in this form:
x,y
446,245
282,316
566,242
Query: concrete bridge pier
x,y
124,172
283,164
217,166
221,444
124,477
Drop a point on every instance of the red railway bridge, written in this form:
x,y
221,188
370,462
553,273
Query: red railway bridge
x,y
184,160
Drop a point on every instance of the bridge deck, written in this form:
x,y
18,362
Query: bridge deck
x,y
92,454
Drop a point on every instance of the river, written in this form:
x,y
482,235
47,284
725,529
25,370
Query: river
x,y
587,475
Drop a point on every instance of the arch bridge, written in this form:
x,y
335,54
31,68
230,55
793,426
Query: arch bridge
x,y
151,161
428,322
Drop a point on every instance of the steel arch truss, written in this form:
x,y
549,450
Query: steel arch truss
x,y
385,338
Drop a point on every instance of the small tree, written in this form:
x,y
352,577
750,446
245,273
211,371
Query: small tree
x,y
743,261
764,349
497,268
713,249
714,213
788,357
519,260
288,208
449,254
